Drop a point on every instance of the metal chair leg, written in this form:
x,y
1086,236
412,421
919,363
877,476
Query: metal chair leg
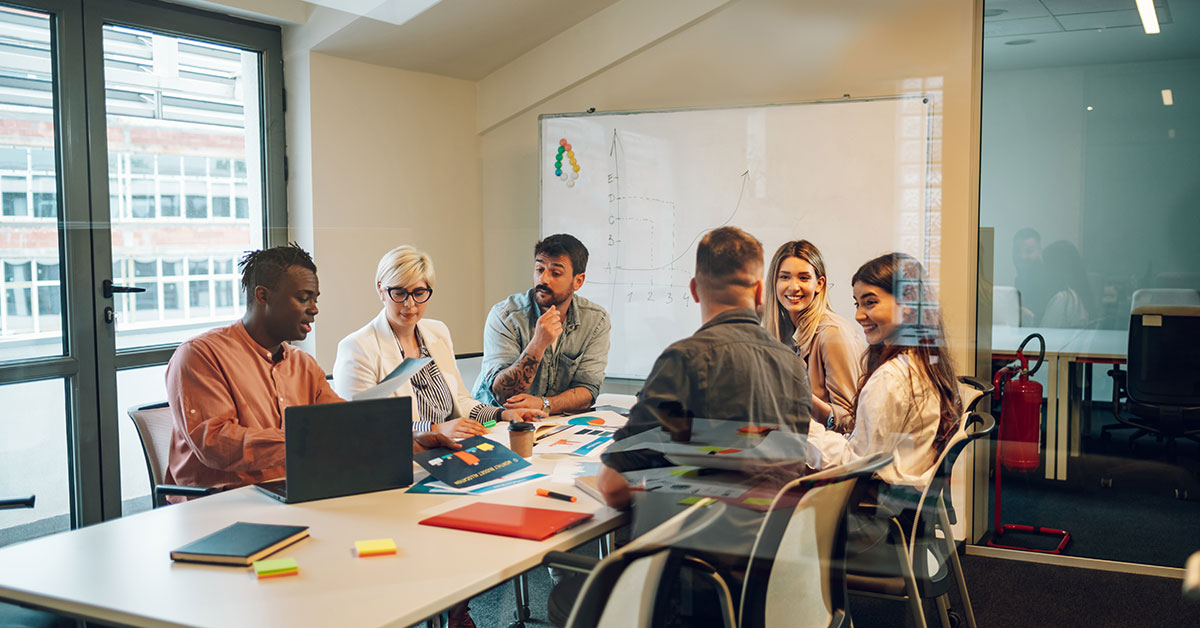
x,y
943,606
910,580
521,591
956,565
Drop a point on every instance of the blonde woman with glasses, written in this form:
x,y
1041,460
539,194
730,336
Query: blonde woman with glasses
x,y
404,281
831,346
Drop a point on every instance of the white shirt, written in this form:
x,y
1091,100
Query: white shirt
x,y
898,412
366,356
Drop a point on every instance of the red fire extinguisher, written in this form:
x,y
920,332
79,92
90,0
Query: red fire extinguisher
x,y
1020,400
1021,410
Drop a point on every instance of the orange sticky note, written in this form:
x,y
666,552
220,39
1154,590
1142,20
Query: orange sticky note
x,y
375,547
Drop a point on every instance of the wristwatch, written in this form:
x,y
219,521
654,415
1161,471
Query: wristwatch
x,y
546,404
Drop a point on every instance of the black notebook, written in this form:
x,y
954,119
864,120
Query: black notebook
x,y
240,544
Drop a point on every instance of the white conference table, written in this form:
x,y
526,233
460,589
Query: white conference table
x,y
120,571
1064,348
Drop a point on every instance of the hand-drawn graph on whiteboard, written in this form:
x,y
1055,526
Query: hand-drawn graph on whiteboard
x,y
640,188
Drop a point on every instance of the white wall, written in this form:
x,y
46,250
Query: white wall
x,y
392,158
754,51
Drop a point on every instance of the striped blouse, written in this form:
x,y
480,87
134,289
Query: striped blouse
x,y
433,398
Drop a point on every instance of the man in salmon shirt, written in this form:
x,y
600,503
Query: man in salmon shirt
x,y
228,387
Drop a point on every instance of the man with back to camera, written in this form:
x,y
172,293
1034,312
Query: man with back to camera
x,y
546,348
730,369
228,387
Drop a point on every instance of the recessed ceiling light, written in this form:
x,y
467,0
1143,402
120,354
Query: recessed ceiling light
x,y
1149,16
1168,98
1018,42
1089,107
994,12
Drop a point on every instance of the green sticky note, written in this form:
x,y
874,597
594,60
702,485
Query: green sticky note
x,y
758,501
275,566
682,472
695,499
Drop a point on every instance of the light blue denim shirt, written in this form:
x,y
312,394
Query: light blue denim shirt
x,y
577,361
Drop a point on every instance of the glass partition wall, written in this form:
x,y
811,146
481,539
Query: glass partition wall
x,y
1090,205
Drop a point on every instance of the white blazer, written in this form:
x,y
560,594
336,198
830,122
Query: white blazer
x,y
366,356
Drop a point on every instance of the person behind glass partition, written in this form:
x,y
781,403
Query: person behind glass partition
x,y
1071,302
801,317
1030,280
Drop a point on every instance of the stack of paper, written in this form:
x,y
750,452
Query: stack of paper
x,y
276,568
375,547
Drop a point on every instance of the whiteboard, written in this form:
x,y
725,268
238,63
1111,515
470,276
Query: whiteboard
x,y
852,176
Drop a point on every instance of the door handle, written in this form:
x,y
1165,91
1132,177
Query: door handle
x,y
110,288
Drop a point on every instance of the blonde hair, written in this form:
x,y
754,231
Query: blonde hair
x,y
404,266
810,318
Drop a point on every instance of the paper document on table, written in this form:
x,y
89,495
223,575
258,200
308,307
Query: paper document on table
x,y
578,440
596,418
565,471
394,380
433,486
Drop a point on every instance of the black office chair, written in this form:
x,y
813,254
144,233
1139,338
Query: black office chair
x,y
1161,387
923,563
13,616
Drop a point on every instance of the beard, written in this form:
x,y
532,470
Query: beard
x,y
546,297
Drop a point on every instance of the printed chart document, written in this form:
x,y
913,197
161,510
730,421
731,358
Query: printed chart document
x,y
595,418
394,380
480,460
577,440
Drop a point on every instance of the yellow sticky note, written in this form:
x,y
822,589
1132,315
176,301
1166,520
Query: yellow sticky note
x,y
375,547
276,567
695,499
758,501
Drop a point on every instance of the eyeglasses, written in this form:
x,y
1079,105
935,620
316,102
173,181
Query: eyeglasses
x,y
400,295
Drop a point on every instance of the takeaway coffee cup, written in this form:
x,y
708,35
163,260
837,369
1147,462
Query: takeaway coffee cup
x,y
520,438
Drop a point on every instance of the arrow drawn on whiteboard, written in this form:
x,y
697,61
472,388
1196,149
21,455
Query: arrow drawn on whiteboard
x,y
741,194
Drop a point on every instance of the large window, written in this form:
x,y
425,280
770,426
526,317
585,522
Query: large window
x,y
127,155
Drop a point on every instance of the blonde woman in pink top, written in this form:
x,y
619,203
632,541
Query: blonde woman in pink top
x,y
800,316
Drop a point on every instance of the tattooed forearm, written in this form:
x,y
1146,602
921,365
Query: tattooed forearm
x,y
515,379
572,400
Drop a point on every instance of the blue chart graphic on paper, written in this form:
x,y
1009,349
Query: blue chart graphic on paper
x,y
586,420
588,448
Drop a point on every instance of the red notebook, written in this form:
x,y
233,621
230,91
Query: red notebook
x,y
526,523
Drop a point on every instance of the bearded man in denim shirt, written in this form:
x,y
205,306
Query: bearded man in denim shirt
x,y
546,348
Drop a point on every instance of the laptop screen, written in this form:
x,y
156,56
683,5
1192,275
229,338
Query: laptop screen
x,y
348,448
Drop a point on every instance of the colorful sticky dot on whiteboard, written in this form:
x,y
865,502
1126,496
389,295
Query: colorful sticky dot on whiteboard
x,y
562,142
575,175
575,167
567,146
571,154
563,176
558,172
571,183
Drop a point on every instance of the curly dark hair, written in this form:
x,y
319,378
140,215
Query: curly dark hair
x,y
265,267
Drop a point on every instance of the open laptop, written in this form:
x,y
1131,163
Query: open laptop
x,y
337,449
